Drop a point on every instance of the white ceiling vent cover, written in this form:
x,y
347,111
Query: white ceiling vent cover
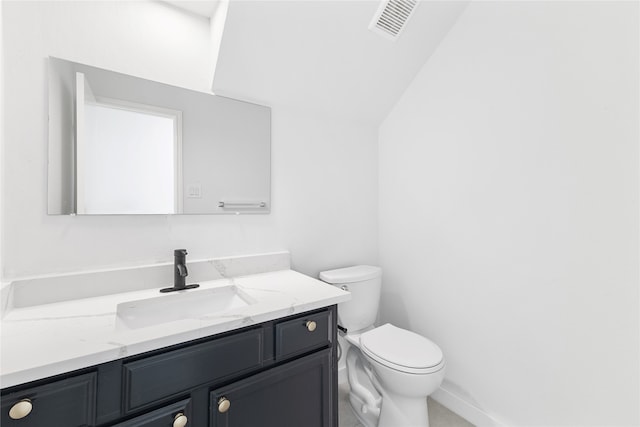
x,y
391,17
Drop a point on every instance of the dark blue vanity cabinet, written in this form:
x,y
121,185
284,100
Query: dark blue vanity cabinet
x,y
281,373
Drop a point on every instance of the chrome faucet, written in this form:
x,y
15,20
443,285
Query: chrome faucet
x,y
180,272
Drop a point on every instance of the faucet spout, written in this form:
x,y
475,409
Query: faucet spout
x,y
180,272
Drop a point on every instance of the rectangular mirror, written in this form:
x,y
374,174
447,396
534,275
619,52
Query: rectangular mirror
x,y
119,144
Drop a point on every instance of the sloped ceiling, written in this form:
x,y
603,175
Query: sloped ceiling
x,y
320,55
204,8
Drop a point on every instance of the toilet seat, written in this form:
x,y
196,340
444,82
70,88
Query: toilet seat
x,y
401,350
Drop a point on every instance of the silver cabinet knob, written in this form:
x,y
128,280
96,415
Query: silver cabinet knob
x,y
20,409
223,405
311,325
180,420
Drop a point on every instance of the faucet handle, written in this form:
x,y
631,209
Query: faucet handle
x,y
180,252
182,270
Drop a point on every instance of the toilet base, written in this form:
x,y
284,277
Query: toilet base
x,y
363,397
367,419
394,413
399,411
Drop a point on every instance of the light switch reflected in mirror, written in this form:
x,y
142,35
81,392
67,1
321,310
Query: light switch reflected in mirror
x,y
123,145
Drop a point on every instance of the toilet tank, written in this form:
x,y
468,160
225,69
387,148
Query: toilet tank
x,y
364,283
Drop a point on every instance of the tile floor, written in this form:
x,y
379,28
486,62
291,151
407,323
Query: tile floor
x,y
439,416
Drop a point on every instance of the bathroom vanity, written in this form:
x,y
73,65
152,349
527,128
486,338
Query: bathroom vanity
x,y
277,373
271,362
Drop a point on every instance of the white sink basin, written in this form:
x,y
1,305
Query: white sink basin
x,y
188,304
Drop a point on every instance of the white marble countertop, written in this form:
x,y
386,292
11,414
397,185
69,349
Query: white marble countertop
x,y
44,340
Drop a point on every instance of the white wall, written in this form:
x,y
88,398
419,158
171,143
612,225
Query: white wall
x,y
218,20
324,190
323,174
2,138
509,211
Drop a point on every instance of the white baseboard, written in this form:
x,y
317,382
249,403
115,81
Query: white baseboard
x,y
466,410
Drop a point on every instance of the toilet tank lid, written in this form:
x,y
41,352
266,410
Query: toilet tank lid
x,y
357,273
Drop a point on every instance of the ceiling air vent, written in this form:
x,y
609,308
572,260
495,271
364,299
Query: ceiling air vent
x,y
391,17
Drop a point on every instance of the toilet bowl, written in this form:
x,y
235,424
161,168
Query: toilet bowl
x,y
390,370
407,368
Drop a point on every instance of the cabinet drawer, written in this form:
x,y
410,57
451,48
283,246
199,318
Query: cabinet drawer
x,y
302,334
163,417
70,402
162,376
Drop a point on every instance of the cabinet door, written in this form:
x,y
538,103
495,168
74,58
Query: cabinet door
x,y
163,417
69,402
297,394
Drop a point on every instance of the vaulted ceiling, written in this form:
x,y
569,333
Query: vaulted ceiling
x,y
319,54
204,8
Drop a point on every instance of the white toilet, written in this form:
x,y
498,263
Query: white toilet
x,y
391,371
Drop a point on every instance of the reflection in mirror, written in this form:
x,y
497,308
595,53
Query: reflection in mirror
x,y
123,145
140,142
